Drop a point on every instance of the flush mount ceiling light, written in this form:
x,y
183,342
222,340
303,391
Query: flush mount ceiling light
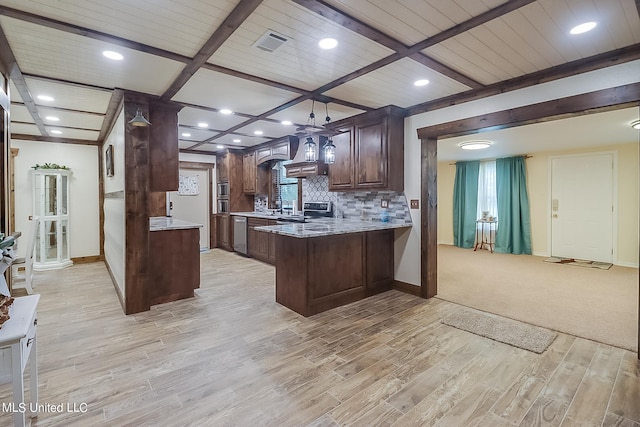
x,y
52,118
219,146
257,132
45,98
421,82
328,43
139,120
186,134
475,145
237,140
112,55
635,124
583,28
56,132
226,111
287,122
203,125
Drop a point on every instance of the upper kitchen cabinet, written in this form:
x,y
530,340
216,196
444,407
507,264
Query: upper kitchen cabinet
x,y
223,167
282,150
163,147
249,173
369,152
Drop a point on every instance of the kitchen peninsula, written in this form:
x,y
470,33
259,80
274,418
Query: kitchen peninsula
x,y
327,263
175,264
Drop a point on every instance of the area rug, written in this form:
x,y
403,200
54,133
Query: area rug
x,y
508,331
579,262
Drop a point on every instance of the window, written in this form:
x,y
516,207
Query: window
x,y
284,190
487,195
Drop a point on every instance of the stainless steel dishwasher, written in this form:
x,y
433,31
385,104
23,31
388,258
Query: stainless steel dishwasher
x,y
240,234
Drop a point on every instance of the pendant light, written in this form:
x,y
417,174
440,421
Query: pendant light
x,y
329,148
139,120
309,144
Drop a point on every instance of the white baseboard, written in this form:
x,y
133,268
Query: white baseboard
x,y
627,264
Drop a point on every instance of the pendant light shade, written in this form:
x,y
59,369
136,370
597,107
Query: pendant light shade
x,y
309,150
139,120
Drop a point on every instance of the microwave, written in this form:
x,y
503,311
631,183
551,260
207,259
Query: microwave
x,y
223,189
223,205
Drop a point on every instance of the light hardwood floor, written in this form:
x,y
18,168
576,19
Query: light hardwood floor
x,y
231,356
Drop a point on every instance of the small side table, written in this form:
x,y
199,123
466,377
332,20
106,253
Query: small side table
x,y
18,342
485,228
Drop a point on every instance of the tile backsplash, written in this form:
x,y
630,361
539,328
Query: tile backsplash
x,y
352,204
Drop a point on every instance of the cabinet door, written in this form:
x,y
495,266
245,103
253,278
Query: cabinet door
x,y
249,173
341,172
370,155
223,171
223,228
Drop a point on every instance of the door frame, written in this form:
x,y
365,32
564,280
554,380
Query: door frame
x,y
210,168
614,201
625,96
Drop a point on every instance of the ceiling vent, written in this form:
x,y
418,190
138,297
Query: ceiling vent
x,y
270,41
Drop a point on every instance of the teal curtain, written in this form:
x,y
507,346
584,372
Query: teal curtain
x,y
465,203
514,223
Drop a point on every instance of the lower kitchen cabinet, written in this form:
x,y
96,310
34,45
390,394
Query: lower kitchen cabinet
x,y
261,244
224,231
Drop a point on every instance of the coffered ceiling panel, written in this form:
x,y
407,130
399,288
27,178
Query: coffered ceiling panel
x,y
413,21
69,96
217,90
15,95
245,140
71,118
195,135
180,26
299,113
299,62
214,120
26,129
393,85
269,130
73,133
80,59
20,113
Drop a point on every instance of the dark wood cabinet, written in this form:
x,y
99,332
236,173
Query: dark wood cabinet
x,y
163,147
224,231
223,167
303,170
249,173
369,152
260,244
379,259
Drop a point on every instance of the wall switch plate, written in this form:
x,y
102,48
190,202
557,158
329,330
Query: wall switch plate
x,y
415,204
384,203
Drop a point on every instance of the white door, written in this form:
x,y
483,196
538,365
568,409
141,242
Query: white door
x,y
193,206
582,207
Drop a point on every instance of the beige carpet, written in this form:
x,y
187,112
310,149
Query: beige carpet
x,y
498,328
601,305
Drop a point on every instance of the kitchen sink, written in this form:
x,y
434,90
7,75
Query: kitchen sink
x,y
291,218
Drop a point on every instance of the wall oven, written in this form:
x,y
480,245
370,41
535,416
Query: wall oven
x,y
223,189
223,205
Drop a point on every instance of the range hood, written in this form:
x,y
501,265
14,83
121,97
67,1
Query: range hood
x,y
300,168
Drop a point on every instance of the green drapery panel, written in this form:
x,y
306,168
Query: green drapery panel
x,y
465,203
514,223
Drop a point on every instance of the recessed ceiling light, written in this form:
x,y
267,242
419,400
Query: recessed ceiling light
x,y
583,28
186,134
219,146
237,140
56,132
52,118
475,145
287,122
45,98
203,125
113,55
328,43
226,111
258,132
635,124
421,82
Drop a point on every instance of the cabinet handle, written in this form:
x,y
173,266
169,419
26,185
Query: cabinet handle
x,y
35,322
30,340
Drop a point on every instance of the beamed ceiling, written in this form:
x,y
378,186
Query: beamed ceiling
x,y
203,55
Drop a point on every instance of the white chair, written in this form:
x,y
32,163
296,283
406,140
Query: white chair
x,y
25,281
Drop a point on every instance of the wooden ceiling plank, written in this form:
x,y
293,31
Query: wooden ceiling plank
x,y
8,58
67,82
371,33
61,109
607,59
25,137
86,32
237,16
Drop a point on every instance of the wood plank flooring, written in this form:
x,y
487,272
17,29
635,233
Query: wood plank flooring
x,y
231,356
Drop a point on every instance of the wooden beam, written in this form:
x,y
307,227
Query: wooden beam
x,y
19,82
359,27
237,16
596,62
597,101
429,219
115,105
25,137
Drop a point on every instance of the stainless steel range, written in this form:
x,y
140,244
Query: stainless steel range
x,y
318,210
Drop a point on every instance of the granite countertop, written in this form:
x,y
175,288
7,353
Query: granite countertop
x,y
162,223
267,215
331,226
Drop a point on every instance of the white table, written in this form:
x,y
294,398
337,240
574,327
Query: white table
x,y
17,346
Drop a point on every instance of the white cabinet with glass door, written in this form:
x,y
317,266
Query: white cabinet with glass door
x,y
51,205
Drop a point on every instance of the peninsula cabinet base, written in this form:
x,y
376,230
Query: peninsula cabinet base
x,y
316,274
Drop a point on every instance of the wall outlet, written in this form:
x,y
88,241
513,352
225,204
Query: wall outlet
x,y
415,204
384,203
